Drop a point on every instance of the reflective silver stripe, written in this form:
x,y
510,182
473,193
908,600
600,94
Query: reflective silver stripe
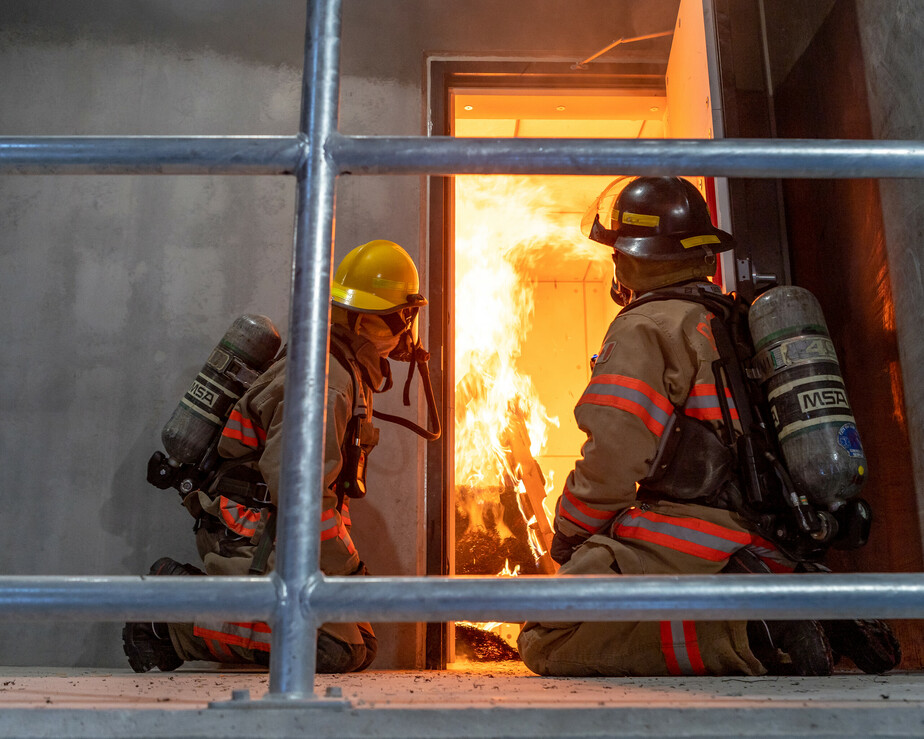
x,y
236,512
219,649
245,633
347,540
591,523
679,644
700,538
774,555
328,524
616,390
708,402
248,432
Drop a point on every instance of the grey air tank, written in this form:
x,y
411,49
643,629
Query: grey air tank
x,y
242,354
798,368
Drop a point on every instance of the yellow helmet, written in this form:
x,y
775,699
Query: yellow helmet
x,y
378,277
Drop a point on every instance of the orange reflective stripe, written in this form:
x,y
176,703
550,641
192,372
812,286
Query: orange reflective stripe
x,y
681,648
249,635
347,540
258,626
703,403
692,644
771,556
239,518
691,536
667,649
630,395
332,528
242,429
698,538
219,651
578,512
329,527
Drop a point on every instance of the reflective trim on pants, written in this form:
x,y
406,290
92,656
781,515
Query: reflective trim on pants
x,y
681,648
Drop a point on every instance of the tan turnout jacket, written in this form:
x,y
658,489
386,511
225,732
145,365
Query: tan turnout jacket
x,y
253,436
655,358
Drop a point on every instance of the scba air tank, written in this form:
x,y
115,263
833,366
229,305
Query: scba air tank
x,y
240,357
798,368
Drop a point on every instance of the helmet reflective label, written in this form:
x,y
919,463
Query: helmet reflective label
x,y
389,284
640,219
692,241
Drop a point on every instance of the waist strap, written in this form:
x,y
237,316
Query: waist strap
x,y
244,491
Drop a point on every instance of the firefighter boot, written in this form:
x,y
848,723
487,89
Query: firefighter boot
x,y
869,643
791,647
148,645
784,647
167,566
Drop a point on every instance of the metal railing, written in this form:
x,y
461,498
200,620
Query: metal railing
x,y
297,597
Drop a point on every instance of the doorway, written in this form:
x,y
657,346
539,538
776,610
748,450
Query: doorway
x,y
524,300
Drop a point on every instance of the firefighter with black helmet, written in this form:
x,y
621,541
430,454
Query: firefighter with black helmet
x,y
654,492
375,298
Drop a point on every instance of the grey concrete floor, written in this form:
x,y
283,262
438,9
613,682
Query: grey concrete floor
x,y
467,701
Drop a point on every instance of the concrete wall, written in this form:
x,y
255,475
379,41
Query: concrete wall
x,y
113,290
838,242
862,57
895,84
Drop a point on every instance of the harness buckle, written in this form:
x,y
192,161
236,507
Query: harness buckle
x,y
261,494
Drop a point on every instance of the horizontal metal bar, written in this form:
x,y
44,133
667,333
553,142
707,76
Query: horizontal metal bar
x,y
275,155
244,155
623,598
710,157
50,598
578,598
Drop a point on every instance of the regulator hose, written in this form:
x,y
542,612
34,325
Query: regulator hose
x,y
419,359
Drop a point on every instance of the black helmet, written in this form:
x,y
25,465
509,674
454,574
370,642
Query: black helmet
x,y
660,228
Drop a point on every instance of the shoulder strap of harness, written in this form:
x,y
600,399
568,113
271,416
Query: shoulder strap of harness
x,y
356,444
343,352
727,324
708,295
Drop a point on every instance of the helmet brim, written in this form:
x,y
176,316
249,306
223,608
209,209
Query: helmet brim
x,y
664,248
365,302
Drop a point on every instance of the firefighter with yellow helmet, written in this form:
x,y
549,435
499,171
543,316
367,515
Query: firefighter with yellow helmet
x,y
655,491
375,298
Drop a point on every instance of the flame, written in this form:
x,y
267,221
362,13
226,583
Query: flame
x,y
504,629
504,227
507,572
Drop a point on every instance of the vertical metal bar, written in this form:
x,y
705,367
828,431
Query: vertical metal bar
x,y
292,664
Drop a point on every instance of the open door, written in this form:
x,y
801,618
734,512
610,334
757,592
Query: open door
x,y
525,302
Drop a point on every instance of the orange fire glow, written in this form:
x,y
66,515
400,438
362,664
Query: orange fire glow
x,y
507,228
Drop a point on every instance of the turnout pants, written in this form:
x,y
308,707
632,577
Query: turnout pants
x,y
340,647
670,540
